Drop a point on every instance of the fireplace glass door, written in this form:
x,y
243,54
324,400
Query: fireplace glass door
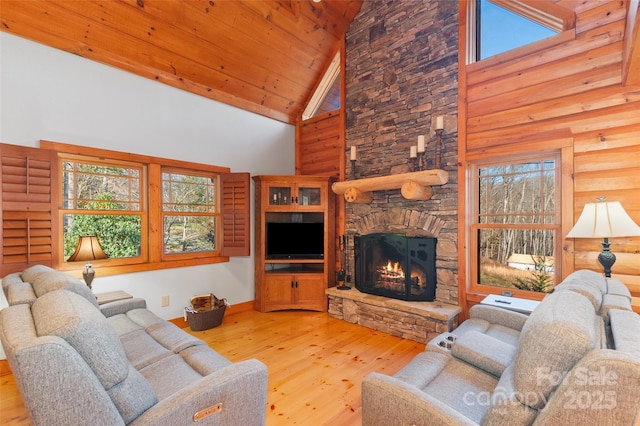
x,y
396,266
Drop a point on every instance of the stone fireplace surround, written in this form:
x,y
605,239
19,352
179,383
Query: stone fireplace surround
x,y
419,321
401,74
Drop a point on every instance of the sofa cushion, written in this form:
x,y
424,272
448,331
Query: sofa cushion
x,y
589,290
625,328
614,301
618,288
17,291
54,280
551,342
202,359
33,271
169,375
71,317
450,381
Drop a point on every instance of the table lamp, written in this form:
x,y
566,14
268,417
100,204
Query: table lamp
x,y
88,249
604,220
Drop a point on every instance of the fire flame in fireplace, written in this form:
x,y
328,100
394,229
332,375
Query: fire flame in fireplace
x,y
390,274
393,267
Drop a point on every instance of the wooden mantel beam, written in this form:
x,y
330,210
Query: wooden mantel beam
x,y
414,185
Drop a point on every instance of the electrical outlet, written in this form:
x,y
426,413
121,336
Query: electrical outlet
x,y
165,301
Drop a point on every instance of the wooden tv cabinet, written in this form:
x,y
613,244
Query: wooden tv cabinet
x,y
293,283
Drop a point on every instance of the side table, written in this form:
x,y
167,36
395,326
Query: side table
x,y
524,306
112,296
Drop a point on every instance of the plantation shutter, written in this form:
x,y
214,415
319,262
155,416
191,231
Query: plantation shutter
x,y
235,212
26,207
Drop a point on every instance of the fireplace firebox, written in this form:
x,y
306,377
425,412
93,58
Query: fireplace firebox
x,y
396,266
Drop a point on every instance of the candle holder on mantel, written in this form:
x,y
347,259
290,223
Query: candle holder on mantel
x,y
438,153
353,169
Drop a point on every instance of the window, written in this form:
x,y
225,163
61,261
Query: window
x,y
148,212
103,199
327,95
516,223
497,26
189,212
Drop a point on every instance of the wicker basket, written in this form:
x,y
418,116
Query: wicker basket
x,y
207,312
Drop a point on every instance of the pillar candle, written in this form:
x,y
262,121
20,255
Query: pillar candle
x,y
353,153
413,153
421,143
440,122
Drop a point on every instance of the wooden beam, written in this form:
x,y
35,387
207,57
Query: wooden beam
x,y
414,185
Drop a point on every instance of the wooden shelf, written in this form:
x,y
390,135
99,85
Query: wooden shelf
x,y
413,186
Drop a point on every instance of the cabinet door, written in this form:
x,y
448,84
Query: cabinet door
x,y
310,291
278,292
291,197
280,196
310,196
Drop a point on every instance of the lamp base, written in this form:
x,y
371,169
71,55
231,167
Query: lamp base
x,y
88,274
606,258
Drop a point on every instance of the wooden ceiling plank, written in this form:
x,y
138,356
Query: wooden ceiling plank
x,y
232,27
133,22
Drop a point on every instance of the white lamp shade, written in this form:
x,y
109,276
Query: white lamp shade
x,y
604,220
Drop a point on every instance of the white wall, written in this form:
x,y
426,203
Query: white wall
x,y
53,95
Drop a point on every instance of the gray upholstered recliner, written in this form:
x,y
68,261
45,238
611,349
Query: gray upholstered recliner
x,y
77,364
569,366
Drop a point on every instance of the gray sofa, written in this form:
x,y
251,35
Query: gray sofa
x,y
574,360
76,362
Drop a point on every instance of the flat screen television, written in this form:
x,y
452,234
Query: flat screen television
x,y
294,240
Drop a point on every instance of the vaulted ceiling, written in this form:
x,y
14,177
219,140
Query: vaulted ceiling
x,y
264,56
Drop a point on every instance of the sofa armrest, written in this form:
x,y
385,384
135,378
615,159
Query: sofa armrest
x,y
122,306
483,351
240,388
387,401
494,315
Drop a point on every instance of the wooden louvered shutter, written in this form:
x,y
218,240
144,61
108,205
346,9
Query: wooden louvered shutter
x,y
27,181
235,211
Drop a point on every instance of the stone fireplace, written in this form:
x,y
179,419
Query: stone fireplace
x,y
396,266
401,75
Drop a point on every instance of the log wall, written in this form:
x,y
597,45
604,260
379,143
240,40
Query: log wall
x,y
563,92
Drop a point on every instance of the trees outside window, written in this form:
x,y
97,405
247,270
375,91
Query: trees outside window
x,y
189,212
104,200
516,223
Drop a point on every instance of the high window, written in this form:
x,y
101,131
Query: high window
x,y
497,26
326,97
516,223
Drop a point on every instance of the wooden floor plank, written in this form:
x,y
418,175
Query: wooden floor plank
x,y
316,364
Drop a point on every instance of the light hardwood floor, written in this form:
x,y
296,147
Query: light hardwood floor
x,y
316,364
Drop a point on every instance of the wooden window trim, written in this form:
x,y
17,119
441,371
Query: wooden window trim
x,y
473,286
152,256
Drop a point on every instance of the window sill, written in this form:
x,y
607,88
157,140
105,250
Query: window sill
x,y
75,269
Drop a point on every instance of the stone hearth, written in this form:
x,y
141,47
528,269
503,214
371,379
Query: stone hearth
x,y
418,321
